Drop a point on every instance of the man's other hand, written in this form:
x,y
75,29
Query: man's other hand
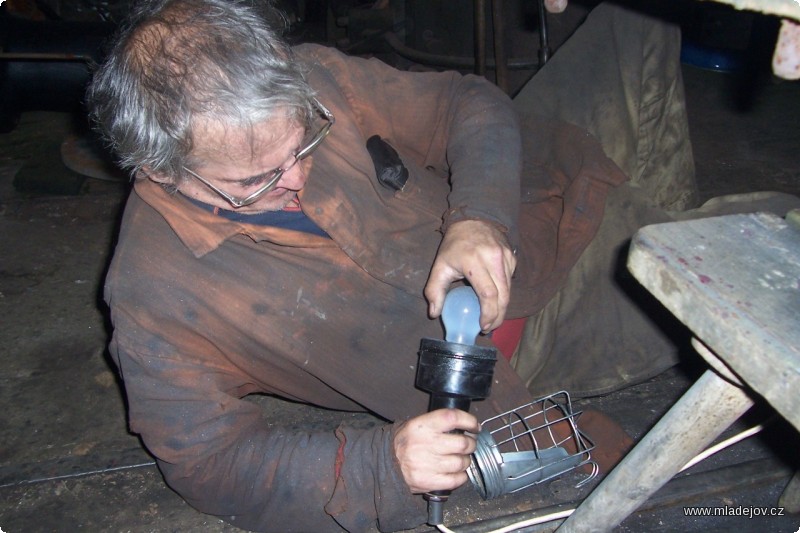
x,y
555,6
430,456
479,252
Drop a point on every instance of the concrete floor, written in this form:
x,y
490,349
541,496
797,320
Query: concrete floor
x,y
68,463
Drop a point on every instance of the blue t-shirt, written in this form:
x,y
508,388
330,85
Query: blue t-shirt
x,y
291,217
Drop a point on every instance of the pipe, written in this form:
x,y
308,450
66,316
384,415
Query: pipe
x,y
479,22
498,26
544,40
452,62
33,56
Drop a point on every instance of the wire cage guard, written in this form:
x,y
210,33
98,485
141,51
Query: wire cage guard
x,y
528,445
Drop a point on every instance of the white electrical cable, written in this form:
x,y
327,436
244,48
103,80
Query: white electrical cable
x,y
565,513
724,444
525,523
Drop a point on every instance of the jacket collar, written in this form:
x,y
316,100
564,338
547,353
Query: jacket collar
x,y
203,232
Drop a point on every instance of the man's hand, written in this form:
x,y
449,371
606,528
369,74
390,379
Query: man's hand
x,y
555,6
479,252
432,458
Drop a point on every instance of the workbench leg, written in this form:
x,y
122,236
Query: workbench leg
x,y
790,498
703,412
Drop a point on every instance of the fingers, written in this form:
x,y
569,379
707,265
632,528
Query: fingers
x,y
555,6
441,276
493,287
447,420
479,252
430,456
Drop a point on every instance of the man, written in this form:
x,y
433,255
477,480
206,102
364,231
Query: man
x,y
260,253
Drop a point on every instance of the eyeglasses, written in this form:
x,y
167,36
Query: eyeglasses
x,y
272,181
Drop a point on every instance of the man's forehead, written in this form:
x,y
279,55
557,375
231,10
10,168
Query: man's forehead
x,y
211,138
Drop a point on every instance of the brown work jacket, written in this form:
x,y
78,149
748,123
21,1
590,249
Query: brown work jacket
x,y
207,311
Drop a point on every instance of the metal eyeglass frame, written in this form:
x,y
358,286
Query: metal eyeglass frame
x,y
301,154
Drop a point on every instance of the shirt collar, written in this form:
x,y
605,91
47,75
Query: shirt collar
x,y
202,231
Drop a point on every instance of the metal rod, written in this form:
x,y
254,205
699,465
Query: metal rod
x,y
544,40
703,412
74,475
32,56
498,30
455,62
479,23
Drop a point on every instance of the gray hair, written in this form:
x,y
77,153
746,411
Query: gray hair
x,y
179,60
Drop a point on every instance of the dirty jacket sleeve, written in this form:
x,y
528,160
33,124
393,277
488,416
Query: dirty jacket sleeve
x,y
461,131
218,453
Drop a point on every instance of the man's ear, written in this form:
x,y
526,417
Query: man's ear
x,y
154,175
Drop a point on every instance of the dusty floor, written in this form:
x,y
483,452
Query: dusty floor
x,y
67,462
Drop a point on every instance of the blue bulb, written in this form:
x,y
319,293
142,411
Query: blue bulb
x,y
461,316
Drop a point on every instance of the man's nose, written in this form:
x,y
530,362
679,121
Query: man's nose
x,y
295,178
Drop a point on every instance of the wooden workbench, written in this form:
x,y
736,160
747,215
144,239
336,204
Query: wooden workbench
x,y
735,282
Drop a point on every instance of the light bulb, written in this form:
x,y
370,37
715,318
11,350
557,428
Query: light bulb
x,y
461,316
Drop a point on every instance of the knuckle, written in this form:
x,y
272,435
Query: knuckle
x,y
489,291
429,292
450,416
456,480
469,446
457,464
467,461
463,445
